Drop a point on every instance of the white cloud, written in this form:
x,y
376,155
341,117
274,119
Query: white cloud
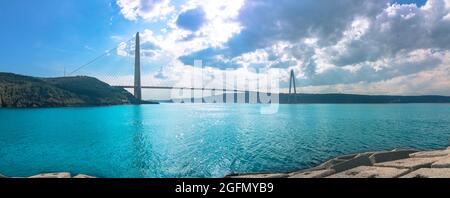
x,y
146,9
123,49
220,26
333,46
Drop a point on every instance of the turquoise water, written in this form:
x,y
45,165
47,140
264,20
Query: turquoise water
x,y
184,140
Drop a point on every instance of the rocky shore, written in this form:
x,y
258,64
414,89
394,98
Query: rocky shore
x,y
397,163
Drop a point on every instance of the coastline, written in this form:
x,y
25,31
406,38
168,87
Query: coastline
x,y
397,163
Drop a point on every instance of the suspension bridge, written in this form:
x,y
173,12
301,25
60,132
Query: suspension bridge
x,y
137,86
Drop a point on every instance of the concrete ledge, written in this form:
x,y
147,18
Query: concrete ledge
x,y
371,172
83,176
312,174
346,157
383,164
380,157
410,163
429,173
52,175
328,164
359,160
442,163
260,176
438,153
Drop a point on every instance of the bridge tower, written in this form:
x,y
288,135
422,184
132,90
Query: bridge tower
x,y
137,70
292,84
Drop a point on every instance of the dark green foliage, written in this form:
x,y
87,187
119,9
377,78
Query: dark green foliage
x,y
24,91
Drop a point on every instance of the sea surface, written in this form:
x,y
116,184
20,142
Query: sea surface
x,y
208,140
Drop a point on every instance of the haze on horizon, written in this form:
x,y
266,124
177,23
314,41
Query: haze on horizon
x,y
387,47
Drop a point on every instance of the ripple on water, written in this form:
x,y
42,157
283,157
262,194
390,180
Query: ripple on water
x,y
173,140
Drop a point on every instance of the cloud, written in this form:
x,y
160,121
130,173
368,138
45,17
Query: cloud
x,y
146,9
396,29
214,24
291,21
330,42
345,43
286,20
429,82
192,19
401,65
123,49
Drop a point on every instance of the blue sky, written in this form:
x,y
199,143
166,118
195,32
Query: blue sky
x,y
42,38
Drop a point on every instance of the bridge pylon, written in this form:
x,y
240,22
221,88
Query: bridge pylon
x,y
137,70
292,85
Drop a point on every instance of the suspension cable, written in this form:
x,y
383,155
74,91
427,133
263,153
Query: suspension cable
x,y
96,58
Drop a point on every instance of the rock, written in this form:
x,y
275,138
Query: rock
x,y
429,173
442,163
312,174
2,176
438,153
346,157
328,164
359,160
384,164
410,163
83,176
371,172
400,149
380,157
52,175
261,176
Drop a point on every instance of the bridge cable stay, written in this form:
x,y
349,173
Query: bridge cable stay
x,y
112,78
96,58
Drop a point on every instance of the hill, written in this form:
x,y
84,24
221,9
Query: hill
x,y
343,99
25,91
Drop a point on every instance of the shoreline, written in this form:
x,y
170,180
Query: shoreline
x,y
397,163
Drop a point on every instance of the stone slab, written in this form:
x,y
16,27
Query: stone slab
x,y
429,173
83,176
410,163
261,176
360,160
371,172
312,174
386,156
438,153
52,175
346,157
442,163
328,164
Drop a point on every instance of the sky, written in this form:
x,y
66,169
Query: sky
x,y
347,46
